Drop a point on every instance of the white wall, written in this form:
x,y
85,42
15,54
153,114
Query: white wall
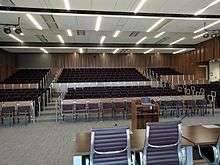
x,y
214,71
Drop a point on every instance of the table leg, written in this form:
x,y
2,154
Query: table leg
x,y
77,160
189,155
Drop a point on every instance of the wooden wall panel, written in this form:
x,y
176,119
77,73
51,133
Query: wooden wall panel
x,y
188,62
7,64
109,60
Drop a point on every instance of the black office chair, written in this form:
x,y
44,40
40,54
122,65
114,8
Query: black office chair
x,y
211,153
163,144
110,146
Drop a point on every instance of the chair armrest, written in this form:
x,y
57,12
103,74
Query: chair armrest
x,y
111,152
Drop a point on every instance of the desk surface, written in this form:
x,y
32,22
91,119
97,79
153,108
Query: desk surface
x,y
196,134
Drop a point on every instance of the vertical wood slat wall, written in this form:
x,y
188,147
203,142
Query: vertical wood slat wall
x,y
7,64
188,62
109,60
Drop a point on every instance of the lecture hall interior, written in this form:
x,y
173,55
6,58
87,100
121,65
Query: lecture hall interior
x,y
109,82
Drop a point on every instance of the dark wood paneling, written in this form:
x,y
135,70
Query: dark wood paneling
x,y
110,60
7,64
187,63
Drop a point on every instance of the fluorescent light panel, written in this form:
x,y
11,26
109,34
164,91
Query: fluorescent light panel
x,y
148,51
102,39
15,38
155,25
60,38
177,41
81,50
205,8
67,4
208,26
116,33
200,35
159,34
98,23
141,40
44,50
115,51
34,21
69,32
140,5
179,51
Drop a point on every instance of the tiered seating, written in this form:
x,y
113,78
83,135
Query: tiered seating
x,y
100,75
36,95
29,76
117,92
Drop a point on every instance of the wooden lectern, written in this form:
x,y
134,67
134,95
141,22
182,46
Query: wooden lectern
x,y
143,113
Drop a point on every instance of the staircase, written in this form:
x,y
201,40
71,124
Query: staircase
x,y
49,113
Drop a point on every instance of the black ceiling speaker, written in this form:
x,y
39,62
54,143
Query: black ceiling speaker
x,y
206,35
7,30
18,30
213,35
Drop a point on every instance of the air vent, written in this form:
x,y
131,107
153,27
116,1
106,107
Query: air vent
x,y
133,34
50,21
124,51
81,32
162,40
42,38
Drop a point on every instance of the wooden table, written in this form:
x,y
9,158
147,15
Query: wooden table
x,y
198,135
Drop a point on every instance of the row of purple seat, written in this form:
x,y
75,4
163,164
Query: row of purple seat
x,y
120,91
23,76
100,75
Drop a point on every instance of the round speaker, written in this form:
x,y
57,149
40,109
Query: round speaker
x,y
7,30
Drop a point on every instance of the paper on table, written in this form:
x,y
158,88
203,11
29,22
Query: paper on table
x,y
210,126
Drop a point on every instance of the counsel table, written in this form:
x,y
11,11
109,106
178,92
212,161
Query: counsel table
x,y
199,135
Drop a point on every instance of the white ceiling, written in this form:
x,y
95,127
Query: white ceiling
x,y
174,29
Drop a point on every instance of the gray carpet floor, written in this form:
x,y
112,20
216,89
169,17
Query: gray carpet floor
x,y
50,143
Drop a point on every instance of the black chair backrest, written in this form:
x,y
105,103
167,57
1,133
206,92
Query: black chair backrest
x,y
110,146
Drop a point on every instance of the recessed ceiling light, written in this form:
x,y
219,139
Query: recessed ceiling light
x,y
205,8
102,39
115,51
148,51
140,5
116,33
98,23
60,38
177,41
159,34
141,40
200,35
34,21
80,50
21,34
179,51
44,50
208,26
155,25
69,32
67,4
15,38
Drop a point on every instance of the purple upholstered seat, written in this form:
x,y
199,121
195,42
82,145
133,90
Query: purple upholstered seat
x,y
162,145
110,146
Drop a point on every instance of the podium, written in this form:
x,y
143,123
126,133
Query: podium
x,y
143,113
